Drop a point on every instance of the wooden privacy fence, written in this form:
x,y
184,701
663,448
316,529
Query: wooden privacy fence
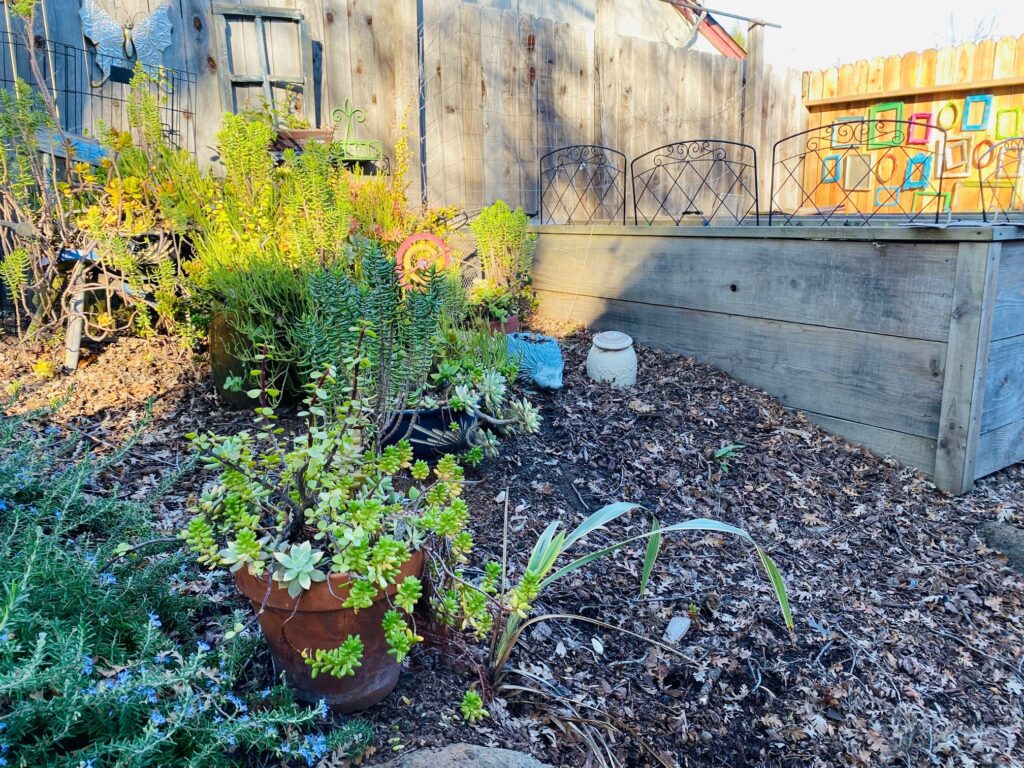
x,y
500,89
973,92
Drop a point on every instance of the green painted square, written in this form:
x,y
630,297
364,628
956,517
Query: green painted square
x,y
1007,123
877,114
923,197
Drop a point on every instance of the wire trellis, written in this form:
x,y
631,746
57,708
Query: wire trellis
x,y
582,184
707,181
1002,188
859,172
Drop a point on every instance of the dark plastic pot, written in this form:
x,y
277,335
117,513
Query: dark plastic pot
x,y
316,619
298,138
510,325
429,430
223,337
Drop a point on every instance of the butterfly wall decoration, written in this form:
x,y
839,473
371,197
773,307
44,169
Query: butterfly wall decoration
x,y
142,41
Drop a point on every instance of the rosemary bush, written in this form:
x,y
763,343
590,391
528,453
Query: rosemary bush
x,y
100,660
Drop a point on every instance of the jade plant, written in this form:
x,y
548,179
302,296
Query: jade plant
x,y
296,510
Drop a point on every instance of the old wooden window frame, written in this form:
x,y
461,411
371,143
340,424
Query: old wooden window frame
x,y
230,80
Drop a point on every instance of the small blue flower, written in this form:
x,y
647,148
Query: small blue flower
x,y
58,514
87,665
203,646
322,708
90,558
232,740
913,583
239,704
3,761
162,658
154,620
5,637
271,731
150,695
123,677
3,506
265,693
156,718
90,691
107,579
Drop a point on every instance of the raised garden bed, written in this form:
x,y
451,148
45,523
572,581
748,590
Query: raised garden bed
x,y
907,340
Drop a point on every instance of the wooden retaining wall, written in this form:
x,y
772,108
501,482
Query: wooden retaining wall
x,y
908,341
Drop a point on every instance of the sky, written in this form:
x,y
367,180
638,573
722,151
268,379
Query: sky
x,y
815,36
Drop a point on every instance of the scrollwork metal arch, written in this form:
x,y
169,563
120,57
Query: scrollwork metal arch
x,y
592,157
737,159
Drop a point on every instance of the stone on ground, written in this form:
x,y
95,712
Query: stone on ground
x,y
1008,539
464,756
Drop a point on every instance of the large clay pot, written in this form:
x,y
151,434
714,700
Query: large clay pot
x,y
316,619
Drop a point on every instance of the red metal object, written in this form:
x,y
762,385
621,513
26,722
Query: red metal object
x,y
715,34
316,619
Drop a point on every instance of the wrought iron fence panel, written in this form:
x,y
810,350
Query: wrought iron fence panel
x,y
1001,181
85,104
859,171
582,184
706,181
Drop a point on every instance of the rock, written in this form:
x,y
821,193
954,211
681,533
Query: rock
x,y
677,627
464,756
1008,539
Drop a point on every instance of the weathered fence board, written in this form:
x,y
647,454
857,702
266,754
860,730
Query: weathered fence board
x,y
501,89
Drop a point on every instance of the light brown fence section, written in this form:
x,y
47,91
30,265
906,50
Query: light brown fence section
x,y
501,89
974,91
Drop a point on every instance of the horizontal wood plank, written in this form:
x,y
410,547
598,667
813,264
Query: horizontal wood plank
x,y
910,450
883,381
999,448
919,234
901,288
1008,317
1004,383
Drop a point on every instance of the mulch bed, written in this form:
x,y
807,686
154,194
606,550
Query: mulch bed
x,y
909,643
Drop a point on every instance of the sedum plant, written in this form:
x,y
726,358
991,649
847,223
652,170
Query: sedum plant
x,y
505,247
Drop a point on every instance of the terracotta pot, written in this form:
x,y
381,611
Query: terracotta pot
x,y
316,619
511,325
298,138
